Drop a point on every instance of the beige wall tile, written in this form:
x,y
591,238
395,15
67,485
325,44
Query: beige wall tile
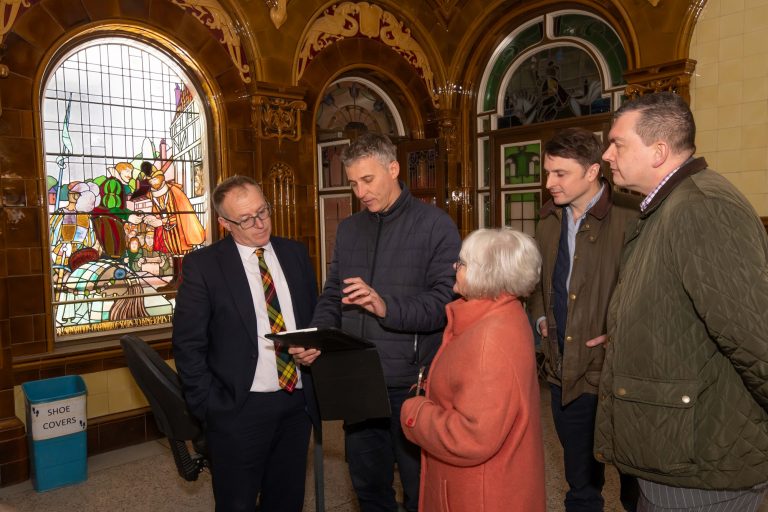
x,y
730,48
755,159
704,98
706,119
756,113
711,10
125,399
731,71
728,139
705,140
707,53
732,24
119,378
756,19
707,74
731,6
754,3
95,383
729,93
708,30
754,43
97,405
19,405
755,136
756,65
755,89
729,162
729,116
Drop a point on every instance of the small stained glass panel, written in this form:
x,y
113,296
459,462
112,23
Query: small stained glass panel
x,y
521,210
521,163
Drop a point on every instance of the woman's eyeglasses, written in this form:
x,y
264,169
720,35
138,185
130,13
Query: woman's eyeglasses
x,y
458,264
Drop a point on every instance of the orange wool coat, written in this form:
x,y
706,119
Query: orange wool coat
x,y
479,424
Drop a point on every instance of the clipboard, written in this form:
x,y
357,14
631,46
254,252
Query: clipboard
x,y
326,339
348,378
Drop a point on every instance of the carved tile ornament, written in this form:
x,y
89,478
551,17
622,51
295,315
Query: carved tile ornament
x,y
277,118
211,14
9,11
362,19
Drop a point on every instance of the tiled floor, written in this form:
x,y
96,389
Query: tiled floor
x,y
143,479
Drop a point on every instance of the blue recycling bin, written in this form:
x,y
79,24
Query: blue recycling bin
x,y
56,429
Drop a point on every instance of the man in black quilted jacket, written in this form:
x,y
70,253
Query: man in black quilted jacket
x,y
389,281
684,388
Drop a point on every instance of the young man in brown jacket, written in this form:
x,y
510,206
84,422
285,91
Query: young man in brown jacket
x,y
580,235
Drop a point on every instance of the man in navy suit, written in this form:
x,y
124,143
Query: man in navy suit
x,y
257,428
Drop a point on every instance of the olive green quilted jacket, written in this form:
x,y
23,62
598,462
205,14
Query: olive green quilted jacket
x,y
684,387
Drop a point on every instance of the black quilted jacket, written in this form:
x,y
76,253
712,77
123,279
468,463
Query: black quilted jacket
x,y
684,388
406,254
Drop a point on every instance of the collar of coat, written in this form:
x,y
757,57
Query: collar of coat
x,y
599,210
686,171
397,207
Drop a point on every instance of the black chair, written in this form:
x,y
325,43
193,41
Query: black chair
x,y
162,387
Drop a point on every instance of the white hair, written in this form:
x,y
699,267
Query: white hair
x,y
499,261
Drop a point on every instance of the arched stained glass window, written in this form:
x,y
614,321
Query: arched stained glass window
x,y
561,65
126,170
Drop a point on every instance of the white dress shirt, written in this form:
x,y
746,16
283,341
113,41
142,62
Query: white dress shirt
x,y
265,379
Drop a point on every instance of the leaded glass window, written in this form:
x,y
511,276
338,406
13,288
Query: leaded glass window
x,y
126,170
555,67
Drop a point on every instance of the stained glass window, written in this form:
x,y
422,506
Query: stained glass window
x,y
559,65
127,184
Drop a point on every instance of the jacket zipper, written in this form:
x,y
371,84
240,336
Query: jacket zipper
x,y
373,267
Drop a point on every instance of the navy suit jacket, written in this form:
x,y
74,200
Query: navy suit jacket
x,y
215,342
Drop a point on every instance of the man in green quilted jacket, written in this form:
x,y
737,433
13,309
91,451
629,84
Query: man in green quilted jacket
x,y
683,399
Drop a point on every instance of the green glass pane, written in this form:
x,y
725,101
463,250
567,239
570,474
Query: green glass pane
x,y
521,210
486,163
517,45
521,163
600,35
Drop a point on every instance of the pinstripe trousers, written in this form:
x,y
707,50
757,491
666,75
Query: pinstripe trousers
x,y
656,497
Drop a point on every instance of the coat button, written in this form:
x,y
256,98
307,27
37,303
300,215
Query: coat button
x,y
621,391
569,338
686,399
586,226
591,238
573,296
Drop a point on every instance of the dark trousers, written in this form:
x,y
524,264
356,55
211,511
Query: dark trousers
x,y
261,449
575,425
373,447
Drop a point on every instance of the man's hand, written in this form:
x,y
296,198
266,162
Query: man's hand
x,y
543,327
358,293
594,342
304,356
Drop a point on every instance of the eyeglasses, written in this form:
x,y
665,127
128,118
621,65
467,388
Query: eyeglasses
x,y
458,264
249,222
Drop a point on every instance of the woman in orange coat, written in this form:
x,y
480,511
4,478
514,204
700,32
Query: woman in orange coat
x,y
479,424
